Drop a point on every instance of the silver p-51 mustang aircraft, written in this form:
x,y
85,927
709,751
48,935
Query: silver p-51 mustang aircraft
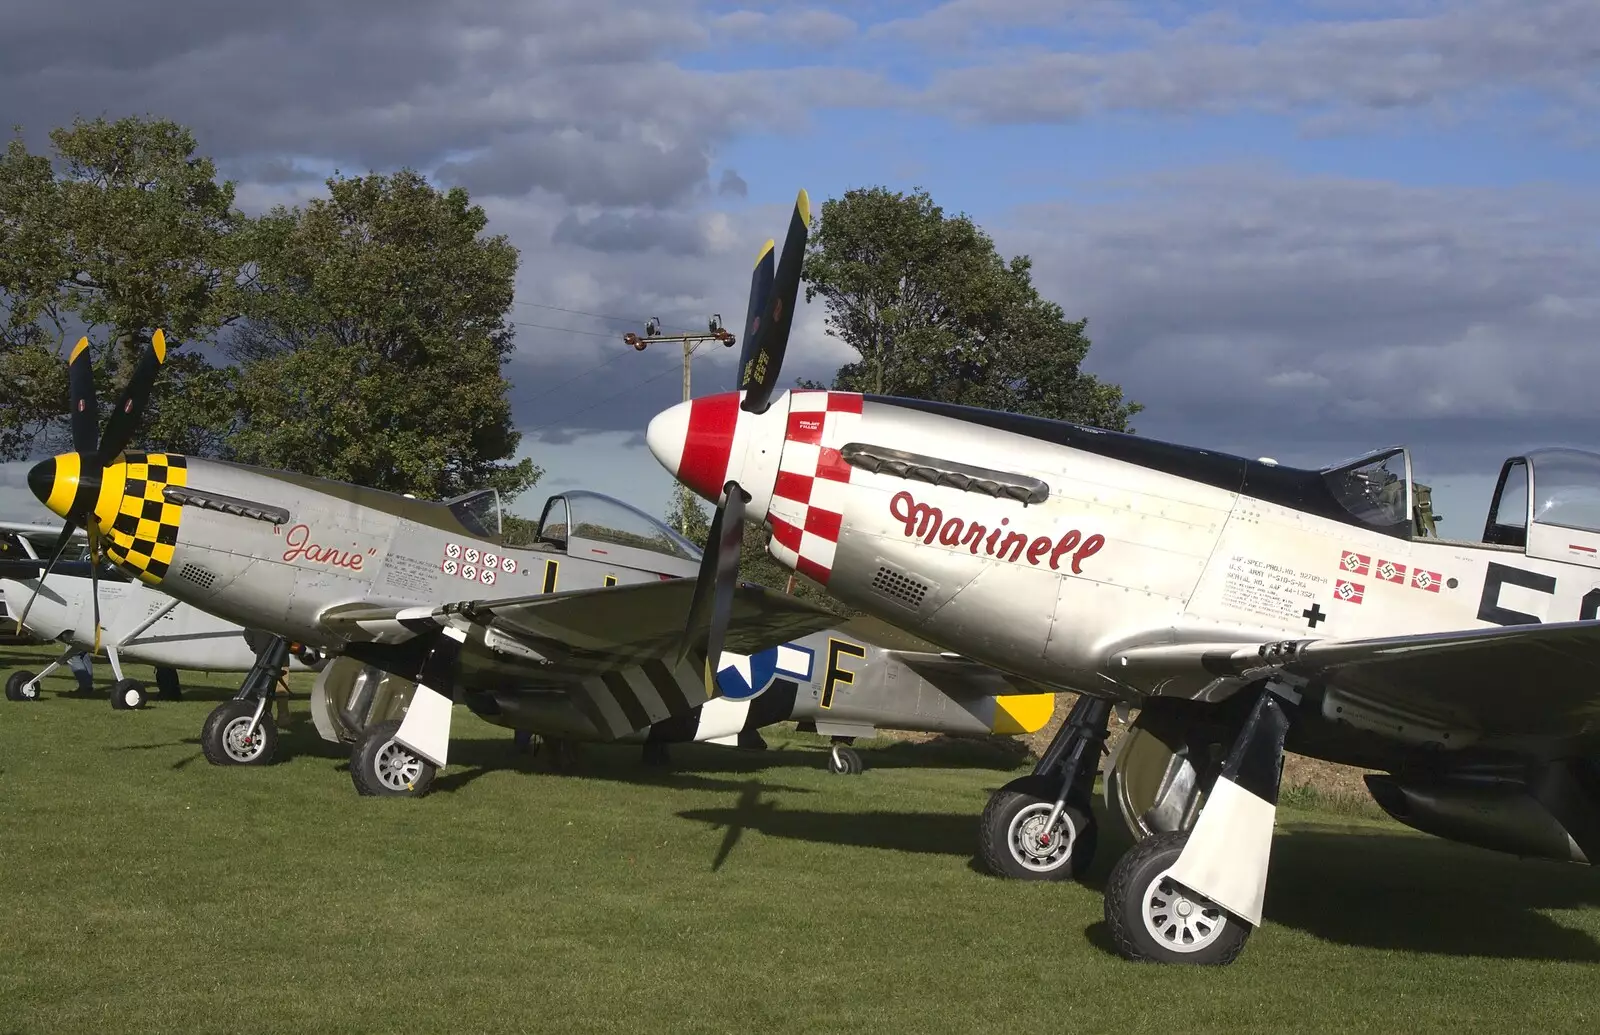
x,y
1241,605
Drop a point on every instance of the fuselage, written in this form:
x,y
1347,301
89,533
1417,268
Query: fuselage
x,y
1042,548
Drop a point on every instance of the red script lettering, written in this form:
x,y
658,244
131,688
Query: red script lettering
x,y
301,548
929,524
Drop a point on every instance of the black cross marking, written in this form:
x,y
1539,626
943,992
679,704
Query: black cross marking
x,y
1313,614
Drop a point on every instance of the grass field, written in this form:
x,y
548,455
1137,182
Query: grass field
x,y
149,891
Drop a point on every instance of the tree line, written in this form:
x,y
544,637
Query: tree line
x,y
361,336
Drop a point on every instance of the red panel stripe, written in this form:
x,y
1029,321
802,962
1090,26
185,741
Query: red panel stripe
x,y
805,426
844,402
831,465
793,486
712,421
812,570
824,523
787,534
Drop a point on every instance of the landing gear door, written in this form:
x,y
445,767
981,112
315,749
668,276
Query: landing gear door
x,y
1564,520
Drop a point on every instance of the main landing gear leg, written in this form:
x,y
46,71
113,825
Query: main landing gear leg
x,y
24,686
1193,896
241,731
1041,826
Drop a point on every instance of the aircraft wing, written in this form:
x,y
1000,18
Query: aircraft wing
x,y
614,648
1532,681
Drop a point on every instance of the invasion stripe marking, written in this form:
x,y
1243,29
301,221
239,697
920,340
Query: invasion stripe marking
x,y
617,683
639,682
667,686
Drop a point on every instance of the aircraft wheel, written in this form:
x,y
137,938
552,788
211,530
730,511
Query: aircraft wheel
x,y
167,686
844,761
1153,920
1013,842
657,754
223,739
380,767
21,687
127,694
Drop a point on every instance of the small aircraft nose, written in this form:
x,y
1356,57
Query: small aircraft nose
x,y
693,440
56,482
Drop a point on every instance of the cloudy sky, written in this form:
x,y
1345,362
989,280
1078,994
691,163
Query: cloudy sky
x,y
1297,230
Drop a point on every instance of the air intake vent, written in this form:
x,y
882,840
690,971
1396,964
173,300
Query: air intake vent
x,y
198,575
902,589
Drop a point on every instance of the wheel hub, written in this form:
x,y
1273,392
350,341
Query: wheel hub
x,y
240,744
1036,847
1179,921
397,768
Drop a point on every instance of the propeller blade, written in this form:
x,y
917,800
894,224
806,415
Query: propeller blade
x,y
55,555
125,418
85,411
760,374
760,291
730,539
704,585
94,578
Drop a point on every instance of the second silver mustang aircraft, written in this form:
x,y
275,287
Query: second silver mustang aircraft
x,y
1243,606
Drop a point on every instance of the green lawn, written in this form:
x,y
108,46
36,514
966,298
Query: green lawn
x,y
149,891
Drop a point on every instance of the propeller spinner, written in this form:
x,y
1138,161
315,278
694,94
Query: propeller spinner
x,y
71,484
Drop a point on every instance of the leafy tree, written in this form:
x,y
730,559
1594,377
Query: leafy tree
x,y
375,336
936,313
124,231
688,516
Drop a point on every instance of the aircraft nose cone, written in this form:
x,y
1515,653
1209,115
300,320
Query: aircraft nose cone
x,y
693,440
58,483
42,479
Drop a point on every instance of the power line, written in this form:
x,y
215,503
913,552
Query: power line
x,y
604,362
564,330
583,312
603,399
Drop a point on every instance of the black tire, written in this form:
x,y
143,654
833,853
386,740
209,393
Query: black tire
x,y
1009,840
1215,937
17,688
168,687
221,736
844,761
656,754
127,694
381,768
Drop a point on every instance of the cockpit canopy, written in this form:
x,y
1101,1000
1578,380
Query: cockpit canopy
x,y
479,511
588,523
1375,489
1552,487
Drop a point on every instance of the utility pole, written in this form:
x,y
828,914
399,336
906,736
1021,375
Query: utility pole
x,y
652,332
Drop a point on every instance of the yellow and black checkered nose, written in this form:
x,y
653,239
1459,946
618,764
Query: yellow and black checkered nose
x,y
125,500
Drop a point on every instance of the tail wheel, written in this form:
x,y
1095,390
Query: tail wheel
x,y
127,694
1018,840
1154,920
844,761
381,767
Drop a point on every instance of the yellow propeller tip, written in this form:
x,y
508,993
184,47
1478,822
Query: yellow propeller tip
x,y
802,205
762,254
78,349
158,341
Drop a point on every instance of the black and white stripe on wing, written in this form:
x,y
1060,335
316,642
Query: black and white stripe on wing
x,y
636,697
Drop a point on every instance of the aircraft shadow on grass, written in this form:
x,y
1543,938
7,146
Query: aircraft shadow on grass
x,y
1370,890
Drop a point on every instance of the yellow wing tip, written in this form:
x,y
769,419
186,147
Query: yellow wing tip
x,y
802,205
77,350
1022,713
158,341
766,250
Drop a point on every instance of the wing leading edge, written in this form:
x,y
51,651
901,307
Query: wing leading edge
x,y
1505,683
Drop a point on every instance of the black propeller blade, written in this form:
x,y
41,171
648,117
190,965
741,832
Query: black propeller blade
x,y
718,574
767,322
85,411
125,418
89,458
767,334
